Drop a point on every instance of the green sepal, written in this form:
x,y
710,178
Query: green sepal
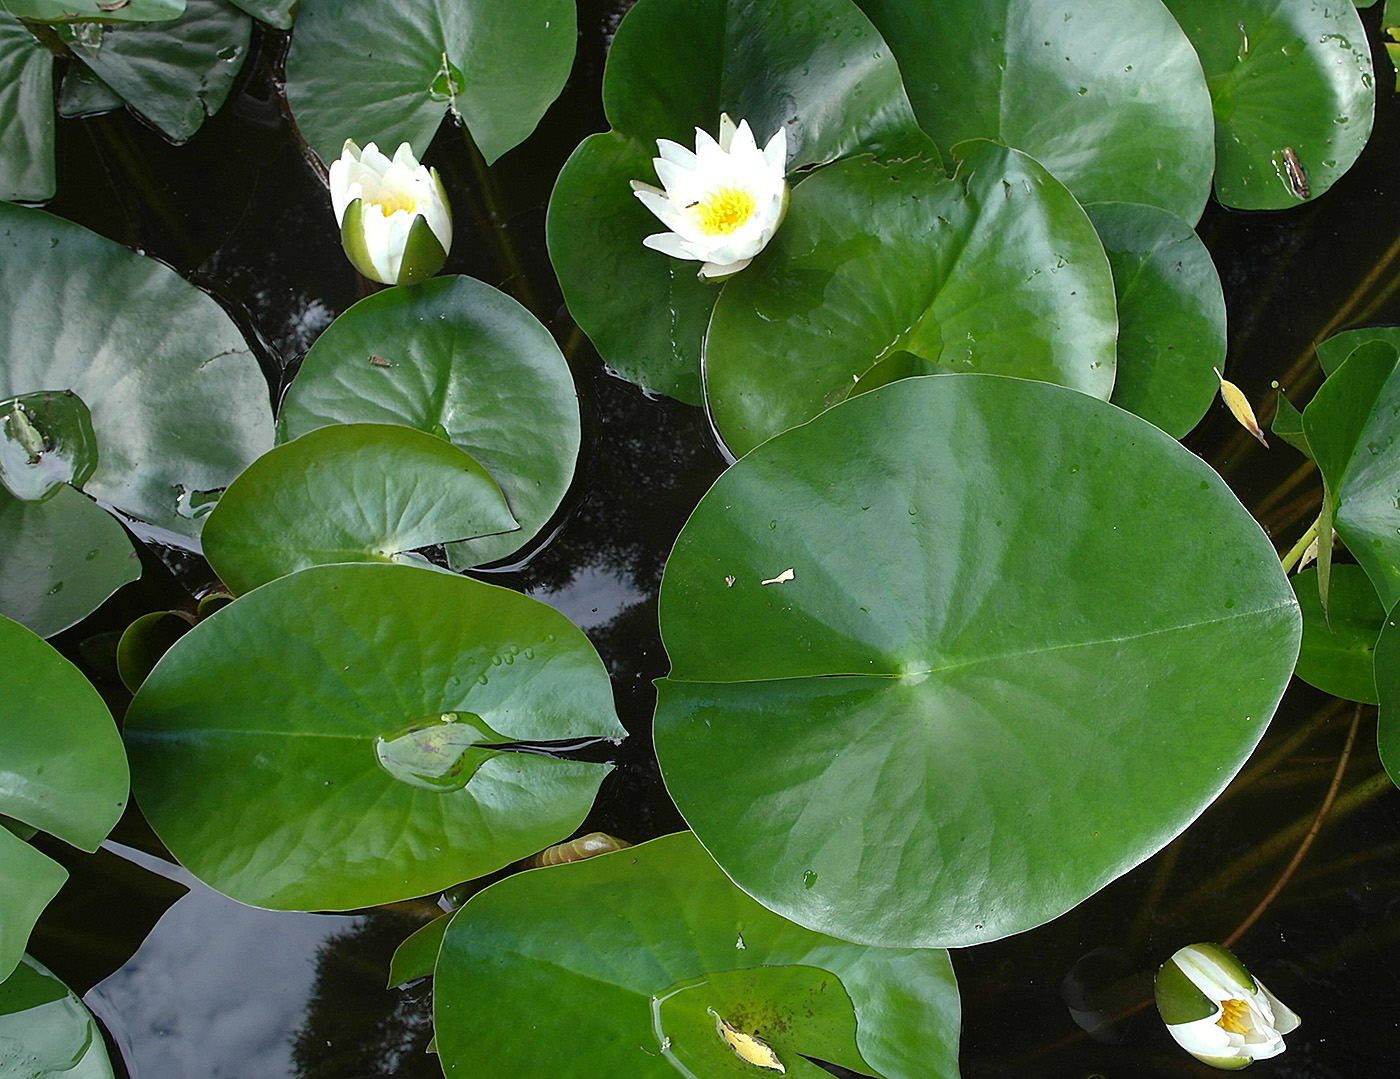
x,y
352,239
1178,999
423,256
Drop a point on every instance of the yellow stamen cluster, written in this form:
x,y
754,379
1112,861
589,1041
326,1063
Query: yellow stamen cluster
x,y
391,203
725,210
1235,1017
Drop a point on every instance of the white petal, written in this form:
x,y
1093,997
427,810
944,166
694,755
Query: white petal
x,y
668,243
439,212
775,153
714,269
673,176
726,131
675,152
404,156
372,159
340,188
742,144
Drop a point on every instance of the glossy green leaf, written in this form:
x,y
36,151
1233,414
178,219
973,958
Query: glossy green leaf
x,y
1338,644
84,94
1288,425
386,71
997,270
174,74
455,357
577,954
1290,80
361,492
144,641
288,698
1387,668
417,955
814,67
26,115
59,559
177,400
1171,314
61,11
1334,351
902,634
1352,425
278,13
1106,94
62,770
46,1031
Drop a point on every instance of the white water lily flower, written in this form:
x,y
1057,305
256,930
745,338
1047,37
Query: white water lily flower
x,y
722,203
1216,1010
395,224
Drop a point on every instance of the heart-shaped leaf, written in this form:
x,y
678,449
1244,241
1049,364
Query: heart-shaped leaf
x,y
457,358
901,634
26,115
1106,94
1291,87
883,271
814,67
360,492
386,71
294,750
591,956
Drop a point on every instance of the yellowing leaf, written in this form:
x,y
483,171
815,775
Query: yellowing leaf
x,y
1238,404
746,1046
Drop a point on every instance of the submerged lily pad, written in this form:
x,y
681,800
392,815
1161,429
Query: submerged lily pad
x,y
901,634
1106,94
814,67
265,748
883,271
460,359
614,965
360,492
61,559
62,770
1291,88
1171,314
26,115
387,71
178,403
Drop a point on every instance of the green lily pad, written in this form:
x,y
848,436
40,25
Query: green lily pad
x,y
173,73
84,94
278,13
265,748
901,634
417,955
144,641
178,403
1339,643
1288,425
62,558
882,267
1171,314
386,71
814,67
360,492
26,115
1352,426
460,359
62,11
1387,668
62,770
590,955
45,1029
1286,81
1334,351
46,441
1106,94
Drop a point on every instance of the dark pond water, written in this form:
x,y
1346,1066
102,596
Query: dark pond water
x,y
192,985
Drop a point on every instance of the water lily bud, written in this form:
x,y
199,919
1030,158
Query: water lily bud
x,y
395,224
1217,1012
722,203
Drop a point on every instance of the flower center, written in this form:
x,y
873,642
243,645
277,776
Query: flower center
x,y
725,210
391,203
1235,1017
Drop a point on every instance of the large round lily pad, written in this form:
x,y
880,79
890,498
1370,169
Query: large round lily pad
x,y
178,403
815,67
351,492
905,636
62,770
1108,95
457,358
883,271
387,71
324,741
1287,81
26,114
614,965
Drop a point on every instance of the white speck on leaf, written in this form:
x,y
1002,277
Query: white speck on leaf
x,y
781,578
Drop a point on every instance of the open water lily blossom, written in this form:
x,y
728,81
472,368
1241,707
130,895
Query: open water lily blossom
x,y
395,224
723,202
1216,1010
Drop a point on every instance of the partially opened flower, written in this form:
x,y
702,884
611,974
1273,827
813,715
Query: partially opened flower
x,y
722,203
395,224
1217,1012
